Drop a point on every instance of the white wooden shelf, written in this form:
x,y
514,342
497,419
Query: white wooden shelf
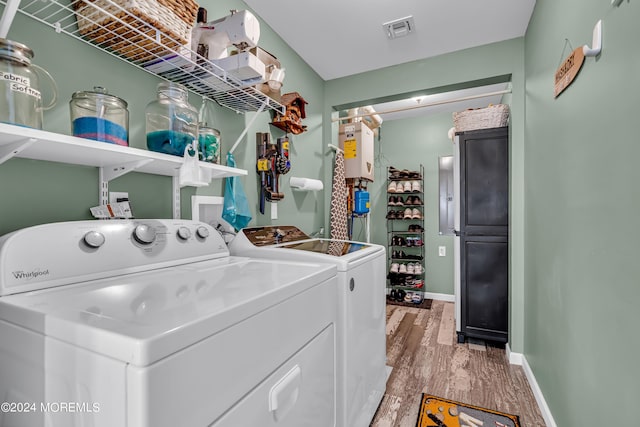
x,y
16,141
112,160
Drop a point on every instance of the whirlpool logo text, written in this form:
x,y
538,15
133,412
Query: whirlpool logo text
x,y
29,275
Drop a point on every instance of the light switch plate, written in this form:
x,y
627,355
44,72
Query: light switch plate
x,y
442,251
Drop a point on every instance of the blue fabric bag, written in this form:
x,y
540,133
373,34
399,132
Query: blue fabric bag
x,y
236,207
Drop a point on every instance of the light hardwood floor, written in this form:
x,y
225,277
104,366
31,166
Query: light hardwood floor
x,y
422,349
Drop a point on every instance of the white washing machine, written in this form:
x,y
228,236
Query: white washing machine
x,y
361,349
150,323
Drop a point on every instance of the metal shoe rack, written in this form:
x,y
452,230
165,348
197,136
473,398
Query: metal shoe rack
x,y
405,232
206,80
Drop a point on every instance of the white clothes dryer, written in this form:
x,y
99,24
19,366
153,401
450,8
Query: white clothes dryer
x,y
361,339
150,323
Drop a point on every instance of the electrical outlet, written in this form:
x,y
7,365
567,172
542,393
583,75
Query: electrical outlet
x,y
114,196
442,251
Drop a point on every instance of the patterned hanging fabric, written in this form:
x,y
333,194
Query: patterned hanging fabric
x,y
338,219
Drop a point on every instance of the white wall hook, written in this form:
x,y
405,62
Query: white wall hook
x,y
597,41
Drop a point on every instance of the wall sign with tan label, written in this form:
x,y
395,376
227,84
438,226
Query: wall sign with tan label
x,y
568,71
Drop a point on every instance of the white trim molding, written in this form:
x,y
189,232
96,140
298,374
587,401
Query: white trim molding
x,y
440,297
520,359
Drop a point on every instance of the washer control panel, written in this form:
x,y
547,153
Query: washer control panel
x,y
69,252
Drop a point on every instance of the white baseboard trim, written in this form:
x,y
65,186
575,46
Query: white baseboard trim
x,y
440,297
513,358
520,359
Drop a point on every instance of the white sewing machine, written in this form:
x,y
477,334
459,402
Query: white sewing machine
x,y
241,31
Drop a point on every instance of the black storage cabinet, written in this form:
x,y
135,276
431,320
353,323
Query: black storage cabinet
x,y
484,234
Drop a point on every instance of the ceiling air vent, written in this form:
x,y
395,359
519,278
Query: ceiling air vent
x,y
399,27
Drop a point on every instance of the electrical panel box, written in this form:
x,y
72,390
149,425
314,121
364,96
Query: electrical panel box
x,y
356,140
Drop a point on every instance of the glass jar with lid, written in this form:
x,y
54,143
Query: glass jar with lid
x,y
171,122
20,89
99,116
209,143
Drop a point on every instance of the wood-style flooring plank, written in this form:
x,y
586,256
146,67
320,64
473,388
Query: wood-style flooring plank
x,y
422,349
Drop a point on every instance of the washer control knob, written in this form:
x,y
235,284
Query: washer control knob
x,y
94,239
184,233
144,234
202,232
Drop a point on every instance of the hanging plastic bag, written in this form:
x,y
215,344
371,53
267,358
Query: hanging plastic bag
x,y
236,207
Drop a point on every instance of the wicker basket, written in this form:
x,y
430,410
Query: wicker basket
x,y
493,116
121,25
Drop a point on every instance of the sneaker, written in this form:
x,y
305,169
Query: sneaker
x,y
417,201
392,201
416,298
410,268
401,295
408,213
394,268
417,268
415,213
418,284
416,187
406,187
402,241
402,255
402,268
399,201
391,215
392,188
408,297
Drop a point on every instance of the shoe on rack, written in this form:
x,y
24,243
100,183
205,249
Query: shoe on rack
x,y
391,215
401,295
408,297
393,294
416,187
402,255
416,228
393,187
417,201
402,241
392,201
399,201
402,269
414,175
410,268
417,268
416,298
394,268
418,284
415,213
406,187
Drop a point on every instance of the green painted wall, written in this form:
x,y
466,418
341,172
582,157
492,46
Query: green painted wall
x,y
36,192
455,70
405,144
582,202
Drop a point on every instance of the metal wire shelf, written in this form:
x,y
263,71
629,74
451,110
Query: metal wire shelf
x,y
149,49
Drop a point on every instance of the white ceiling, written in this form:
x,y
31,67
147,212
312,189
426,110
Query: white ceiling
x,y
339,38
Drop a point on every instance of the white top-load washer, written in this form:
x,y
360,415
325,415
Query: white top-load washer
x,y
361,336
150,323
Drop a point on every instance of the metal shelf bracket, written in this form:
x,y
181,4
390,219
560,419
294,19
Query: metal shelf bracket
x,y
108,173
10,150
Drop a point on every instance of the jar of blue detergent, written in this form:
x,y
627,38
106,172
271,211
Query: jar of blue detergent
x,y
99,116
171,122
